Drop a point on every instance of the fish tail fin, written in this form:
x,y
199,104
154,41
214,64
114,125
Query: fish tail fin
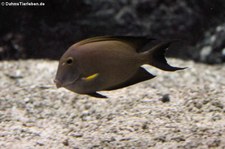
x,y
156,57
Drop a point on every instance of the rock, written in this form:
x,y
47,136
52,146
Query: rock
x,y
212,47
165,98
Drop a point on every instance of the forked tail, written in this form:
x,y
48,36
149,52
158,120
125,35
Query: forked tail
x,y
156,56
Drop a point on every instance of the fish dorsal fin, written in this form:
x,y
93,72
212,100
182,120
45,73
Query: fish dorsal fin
x,y
136,42
140,75
93,39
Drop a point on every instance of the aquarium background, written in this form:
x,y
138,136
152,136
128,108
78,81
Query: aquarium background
x,y
47,31
175,110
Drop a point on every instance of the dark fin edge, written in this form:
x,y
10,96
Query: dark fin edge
x,y
137,41
97,95
157,57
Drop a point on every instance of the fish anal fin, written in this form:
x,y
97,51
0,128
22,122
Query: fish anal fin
x,y
140,75
96,95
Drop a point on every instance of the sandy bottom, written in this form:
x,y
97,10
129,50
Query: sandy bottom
x,y
184,109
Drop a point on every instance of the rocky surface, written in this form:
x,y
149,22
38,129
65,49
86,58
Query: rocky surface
x,y
212,46
46,32
184,109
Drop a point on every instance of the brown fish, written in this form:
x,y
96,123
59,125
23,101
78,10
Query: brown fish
x,y
109,63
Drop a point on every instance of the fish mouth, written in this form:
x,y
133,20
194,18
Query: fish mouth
x,y
59,84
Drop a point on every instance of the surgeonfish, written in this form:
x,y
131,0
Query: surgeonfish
x,y
109,62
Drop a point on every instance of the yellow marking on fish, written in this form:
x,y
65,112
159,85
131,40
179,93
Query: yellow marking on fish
x,y
91,77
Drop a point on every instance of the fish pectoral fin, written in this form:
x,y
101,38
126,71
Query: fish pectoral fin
x,y
96,95
91,77
139,76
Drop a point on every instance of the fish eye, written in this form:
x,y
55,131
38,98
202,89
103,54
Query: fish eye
x,y
69,61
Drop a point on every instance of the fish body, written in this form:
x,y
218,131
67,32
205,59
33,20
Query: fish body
x,y
108,63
